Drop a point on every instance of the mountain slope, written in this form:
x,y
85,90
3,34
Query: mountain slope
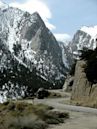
x,y
16,80
29,49
83,38
37,43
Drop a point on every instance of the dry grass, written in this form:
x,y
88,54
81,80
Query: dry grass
x,y
19,115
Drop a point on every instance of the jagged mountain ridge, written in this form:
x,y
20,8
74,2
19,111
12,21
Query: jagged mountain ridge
x,y
83,38
33,49
37,42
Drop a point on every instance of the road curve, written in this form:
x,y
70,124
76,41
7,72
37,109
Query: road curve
x,y
56,104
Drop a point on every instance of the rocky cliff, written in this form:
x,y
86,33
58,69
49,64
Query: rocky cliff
x,y
30,56
68,84
84,92
27,37
83,38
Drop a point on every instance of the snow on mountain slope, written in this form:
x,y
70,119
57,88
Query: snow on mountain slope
x,y
9,19
92,31
39,59
32,48
16,79
3,6
66,55
85,37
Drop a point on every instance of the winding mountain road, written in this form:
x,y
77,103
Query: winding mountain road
x,y
56,103
80,117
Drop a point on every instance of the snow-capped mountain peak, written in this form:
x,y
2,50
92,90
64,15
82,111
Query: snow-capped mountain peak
x,y
27,45
92,31
3,5
84,38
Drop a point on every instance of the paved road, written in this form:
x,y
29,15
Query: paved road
x,y
56,103
80,117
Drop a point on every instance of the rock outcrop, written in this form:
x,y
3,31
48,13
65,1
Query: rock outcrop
x,y
68,84
84,92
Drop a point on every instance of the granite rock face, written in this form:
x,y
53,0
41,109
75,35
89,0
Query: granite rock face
x,y
82,39
68,84
30,56
83,93
38,46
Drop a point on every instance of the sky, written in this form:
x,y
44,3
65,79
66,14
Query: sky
x,y
62,17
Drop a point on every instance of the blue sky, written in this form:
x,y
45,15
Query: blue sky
x,y
70,15
64,16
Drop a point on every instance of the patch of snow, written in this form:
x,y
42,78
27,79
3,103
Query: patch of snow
x,y
3,96
3,5
11,39
30,54
64,56
43,77
20,61
45,52
92,31
75,52
35,62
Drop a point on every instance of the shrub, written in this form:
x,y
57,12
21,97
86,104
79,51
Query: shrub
x,y
54,117
90,56
54,121
27,116
20,106
41,93
54,95
27,123
6,103
72,70
11,106
86,53
16,48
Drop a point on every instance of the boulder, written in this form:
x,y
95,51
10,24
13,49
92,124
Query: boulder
x,y
41,93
